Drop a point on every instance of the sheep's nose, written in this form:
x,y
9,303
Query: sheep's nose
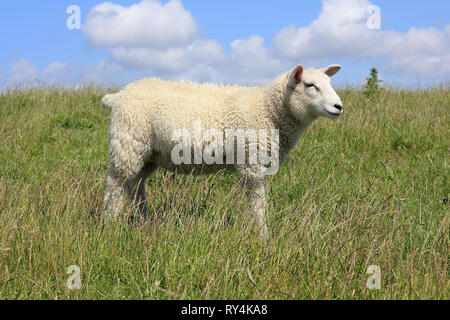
x,y
338,106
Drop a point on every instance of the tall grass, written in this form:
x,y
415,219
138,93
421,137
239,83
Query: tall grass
x,y
366,189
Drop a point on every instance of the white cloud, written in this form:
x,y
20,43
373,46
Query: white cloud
x,y
205,60
151,39
105,72
251,56
340,31
146,24
437,66
57,72
420,52
333,33
161,40
172,59
23,71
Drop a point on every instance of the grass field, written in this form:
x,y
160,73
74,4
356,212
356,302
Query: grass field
x,y
366,189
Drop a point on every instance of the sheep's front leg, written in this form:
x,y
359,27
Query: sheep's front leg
x,y
258,202
256,192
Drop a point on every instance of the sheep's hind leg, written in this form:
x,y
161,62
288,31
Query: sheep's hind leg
x,y
114,196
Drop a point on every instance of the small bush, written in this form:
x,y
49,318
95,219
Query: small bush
x,y
372,86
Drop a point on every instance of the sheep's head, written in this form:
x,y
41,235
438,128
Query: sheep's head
x,y
311,93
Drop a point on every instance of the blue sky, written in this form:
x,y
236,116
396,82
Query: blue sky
x,y
268,37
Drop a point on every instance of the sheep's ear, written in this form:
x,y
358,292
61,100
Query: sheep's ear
x,y
331,70
296,76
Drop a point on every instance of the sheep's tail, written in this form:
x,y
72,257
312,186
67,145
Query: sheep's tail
x,y
108,101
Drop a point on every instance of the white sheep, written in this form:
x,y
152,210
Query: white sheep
x,y
145,115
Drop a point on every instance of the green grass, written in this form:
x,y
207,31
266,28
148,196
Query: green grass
x,y
365,189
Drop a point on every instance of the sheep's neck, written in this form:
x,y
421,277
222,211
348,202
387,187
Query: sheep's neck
x,y
280,117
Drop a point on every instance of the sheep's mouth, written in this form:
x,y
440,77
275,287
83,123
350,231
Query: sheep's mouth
x,y
333,114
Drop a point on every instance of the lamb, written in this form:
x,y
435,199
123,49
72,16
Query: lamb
x,y
146,114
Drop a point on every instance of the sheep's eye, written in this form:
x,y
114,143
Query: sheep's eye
x,y
311,85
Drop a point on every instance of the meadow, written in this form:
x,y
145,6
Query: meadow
x,y
370,188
